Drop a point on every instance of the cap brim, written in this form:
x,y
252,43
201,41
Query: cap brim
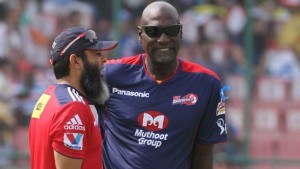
x,y
103,45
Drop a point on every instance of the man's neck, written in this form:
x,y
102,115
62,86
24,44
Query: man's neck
x,y
161,71
72,83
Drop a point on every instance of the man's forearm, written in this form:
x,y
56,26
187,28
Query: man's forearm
x,y
202,157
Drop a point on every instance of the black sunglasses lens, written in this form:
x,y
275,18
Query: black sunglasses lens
x,y
172,31
153,31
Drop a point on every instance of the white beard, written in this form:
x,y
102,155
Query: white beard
x,y
103,97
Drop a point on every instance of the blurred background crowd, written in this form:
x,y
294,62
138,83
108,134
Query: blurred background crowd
x,y
254,46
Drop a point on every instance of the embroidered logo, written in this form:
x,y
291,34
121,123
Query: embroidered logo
x,y
221,108
189,99
130,93
73,140
222,125
153,121
74,124
40,106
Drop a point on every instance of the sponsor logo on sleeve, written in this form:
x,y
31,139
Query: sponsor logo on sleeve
x,y
40,106
73,140
221,108
224,89
221,104
74,124
222,125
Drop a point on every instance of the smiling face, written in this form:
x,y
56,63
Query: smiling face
x,y
162,49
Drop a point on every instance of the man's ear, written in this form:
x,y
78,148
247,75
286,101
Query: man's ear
x,y
181,32
140,34
74,61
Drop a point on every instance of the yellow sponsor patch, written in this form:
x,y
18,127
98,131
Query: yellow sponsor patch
x,y
221,108
40,106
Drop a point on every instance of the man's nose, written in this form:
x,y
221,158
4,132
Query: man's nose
x,y
163,38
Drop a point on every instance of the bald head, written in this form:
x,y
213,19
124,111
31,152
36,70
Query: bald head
x,y
159,10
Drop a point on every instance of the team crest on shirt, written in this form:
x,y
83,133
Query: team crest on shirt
x,y
189,99
73,140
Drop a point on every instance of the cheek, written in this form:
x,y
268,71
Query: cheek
x,y
145,45
101,62
148,43
98,62
177,42
148,48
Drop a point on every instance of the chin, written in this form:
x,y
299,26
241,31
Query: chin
x,y
165,57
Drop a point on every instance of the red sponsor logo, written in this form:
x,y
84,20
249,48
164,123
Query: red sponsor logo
x,y
153,120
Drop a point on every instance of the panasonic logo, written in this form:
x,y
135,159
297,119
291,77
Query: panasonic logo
x,y
130,93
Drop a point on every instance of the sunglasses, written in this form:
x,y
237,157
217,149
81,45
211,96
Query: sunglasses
x,y
88,35
156,31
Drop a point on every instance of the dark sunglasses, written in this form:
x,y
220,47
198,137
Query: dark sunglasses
x,y
156,31
88,35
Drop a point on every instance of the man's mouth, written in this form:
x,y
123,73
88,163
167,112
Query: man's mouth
x,y
164,50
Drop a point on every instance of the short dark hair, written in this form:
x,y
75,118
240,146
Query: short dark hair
x,y
61,67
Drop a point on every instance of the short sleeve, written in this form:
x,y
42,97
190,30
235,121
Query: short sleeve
x,y
212,128
69,129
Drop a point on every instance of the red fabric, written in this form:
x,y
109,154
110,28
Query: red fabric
x,y
69,129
